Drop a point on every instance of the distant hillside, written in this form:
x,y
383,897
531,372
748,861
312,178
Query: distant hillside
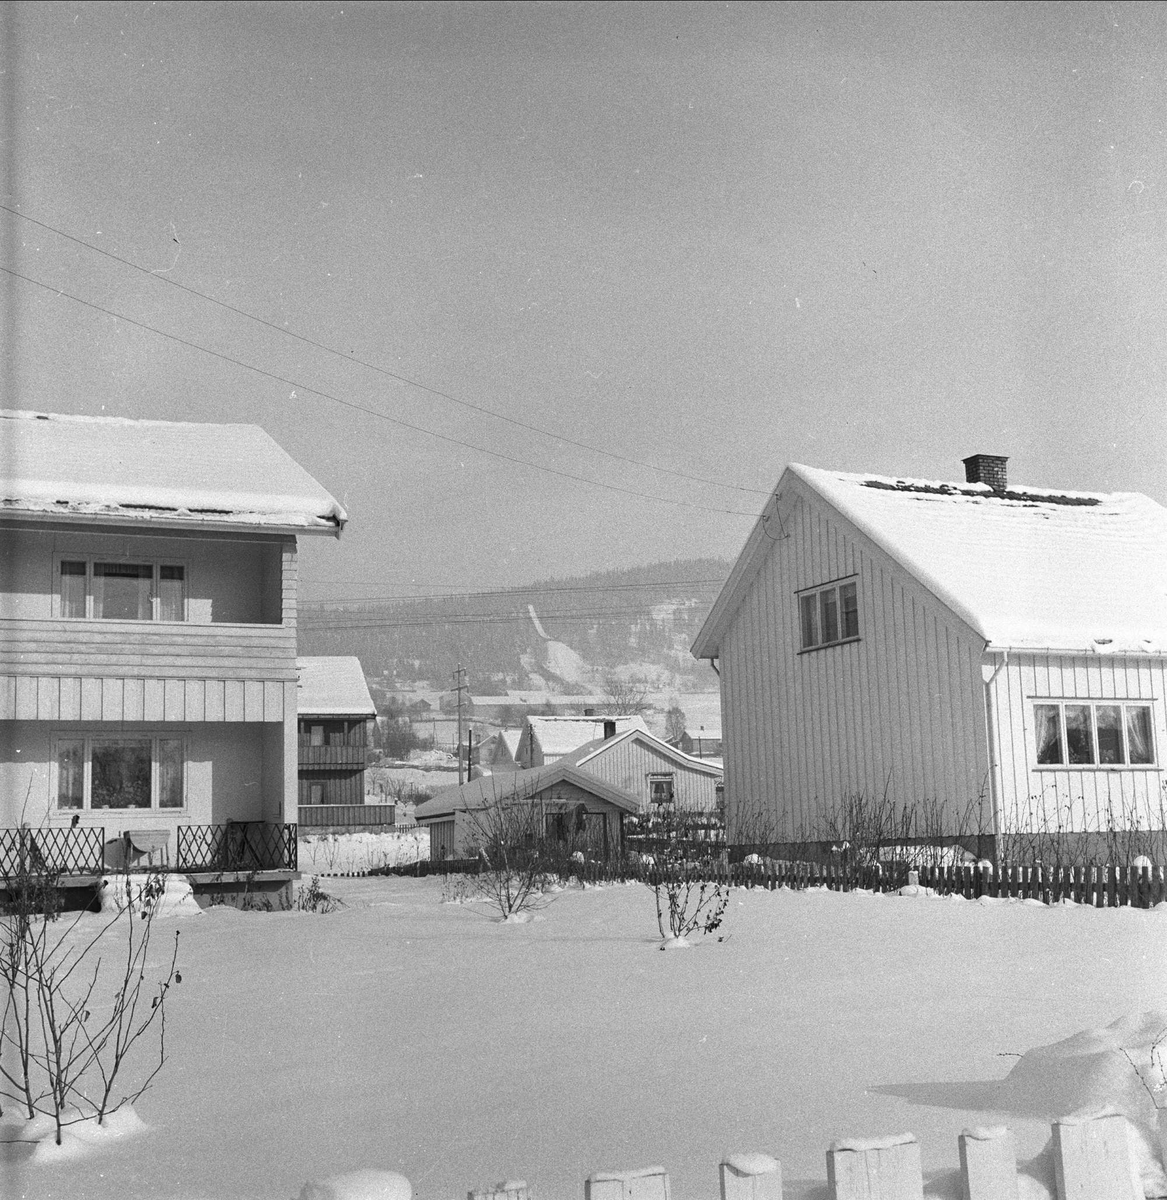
x,y
639,621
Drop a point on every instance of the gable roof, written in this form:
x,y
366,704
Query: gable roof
x,y
592,750
1030,568
333,686
521,785
112,469
562,735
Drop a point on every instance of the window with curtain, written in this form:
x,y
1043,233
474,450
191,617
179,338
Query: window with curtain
x,y
1095,733
828,615
141,772
121,591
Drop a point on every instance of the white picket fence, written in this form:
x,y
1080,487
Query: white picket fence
x,y
1094,1159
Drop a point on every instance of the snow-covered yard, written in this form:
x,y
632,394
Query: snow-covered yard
x,y
410,1035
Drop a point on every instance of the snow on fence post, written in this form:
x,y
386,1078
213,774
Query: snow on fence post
x,y
885,1168
647,1183
988,1163
510,1189
1093,1157
750,1177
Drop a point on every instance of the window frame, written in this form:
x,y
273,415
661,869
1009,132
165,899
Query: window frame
x,y
827,599
155,562
1092,703
88,738
669,777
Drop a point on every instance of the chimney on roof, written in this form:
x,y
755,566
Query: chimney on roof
x,y
609,729
987,468
589,712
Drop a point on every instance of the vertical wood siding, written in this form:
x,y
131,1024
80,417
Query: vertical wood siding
x,y
901,709
628,763
1081,799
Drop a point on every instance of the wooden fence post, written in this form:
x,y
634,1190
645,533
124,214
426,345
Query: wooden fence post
x,y
1093,1158
750,1177
648,1183
988,1163
510,1189
875,1169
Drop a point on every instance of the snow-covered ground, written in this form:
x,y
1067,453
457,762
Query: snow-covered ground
x,y
403,1034
361,851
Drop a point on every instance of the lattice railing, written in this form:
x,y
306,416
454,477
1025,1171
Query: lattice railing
x,y
236,846
79,851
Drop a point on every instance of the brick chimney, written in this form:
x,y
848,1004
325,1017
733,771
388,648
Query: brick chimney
x,y
609,730
987,468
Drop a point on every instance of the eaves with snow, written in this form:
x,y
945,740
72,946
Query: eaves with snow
x,y
332,685
113,470
1026,568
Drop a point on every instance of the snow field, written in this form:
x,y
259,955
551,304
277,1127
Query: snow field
x,y
428,1040
360,852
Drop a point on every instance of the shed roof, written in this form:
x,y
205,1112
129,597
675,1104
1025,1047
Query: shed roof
x,y
561,735
512,786
333,686
172,473
1029,568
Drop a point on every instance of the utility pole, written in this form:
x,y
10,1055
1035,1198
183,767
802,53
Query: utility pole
x,y
460,687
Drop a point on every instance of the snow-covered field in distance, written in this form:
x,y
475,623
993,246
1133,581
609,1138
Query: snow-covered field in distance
x,y
408,1035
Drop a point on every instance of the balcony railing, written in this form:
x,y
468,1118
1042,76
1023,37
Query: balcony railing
x,y
333,756
79,851
345,815
236,846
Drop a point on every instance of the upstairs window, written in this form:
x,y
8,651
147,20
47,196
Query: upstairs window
x,y
1084,734
660,788
828,615
121,591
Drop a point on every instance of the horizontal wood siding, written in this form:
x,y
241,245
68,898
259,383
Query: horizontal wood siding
x,y
147,649
900,711
55,698
628,763
1082,799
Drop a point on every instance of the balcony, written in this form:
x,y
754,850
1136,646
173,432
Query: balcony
x,y
349,758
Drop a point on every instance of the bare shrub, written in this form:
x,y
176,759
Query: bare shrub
x,y
508,829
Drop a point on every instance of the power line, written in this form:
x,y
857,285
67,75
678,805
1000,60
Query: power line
x,y
351,358
516,591
294,383
315,623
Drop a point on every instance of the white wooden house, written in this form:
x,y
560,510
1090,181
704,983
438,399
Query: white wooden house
x,y
545,739
995,651
148,644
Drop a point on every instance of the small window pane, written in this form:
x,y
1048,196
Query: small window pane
x,y
170,773
120,774
808,606
1109,719
121,591
1047,718
849,603
1079,733
660,789
316,793
1140,748
71,774
830,615
316,735
72,589
170,593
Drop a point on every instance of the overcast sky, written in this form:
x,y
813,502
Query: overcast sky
x,y
656,252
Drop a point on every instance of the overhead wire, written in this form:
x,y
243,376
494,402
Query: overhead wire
x,y
405,379
294,383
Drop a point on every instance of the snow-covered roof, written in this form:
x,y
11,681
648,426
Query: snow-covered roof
x,y
561,735
333,686
1028,568
162,472
514,786
585,754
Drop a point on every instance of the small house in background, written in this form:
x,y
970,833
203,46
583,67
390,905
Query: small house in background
x,y
335,716
497,751
702,743
148,647
648,768
560,802
545,739
989,656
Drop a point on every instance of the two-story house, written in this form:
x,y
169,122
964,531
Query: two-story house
x,y
336,713
148,646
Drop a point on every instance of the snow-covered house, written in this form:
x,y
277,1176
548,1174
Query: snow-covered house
x,y
650,769
335,713
559,801
496,751
148,644
993,653
544,739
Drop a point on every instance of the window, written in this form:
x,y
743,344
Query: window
x,y
121,591
315,735
828,615
316,793
1077,734
660,789
140,772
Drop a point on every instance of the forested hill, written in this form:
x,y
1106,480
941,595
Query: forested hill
x,y
642,619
